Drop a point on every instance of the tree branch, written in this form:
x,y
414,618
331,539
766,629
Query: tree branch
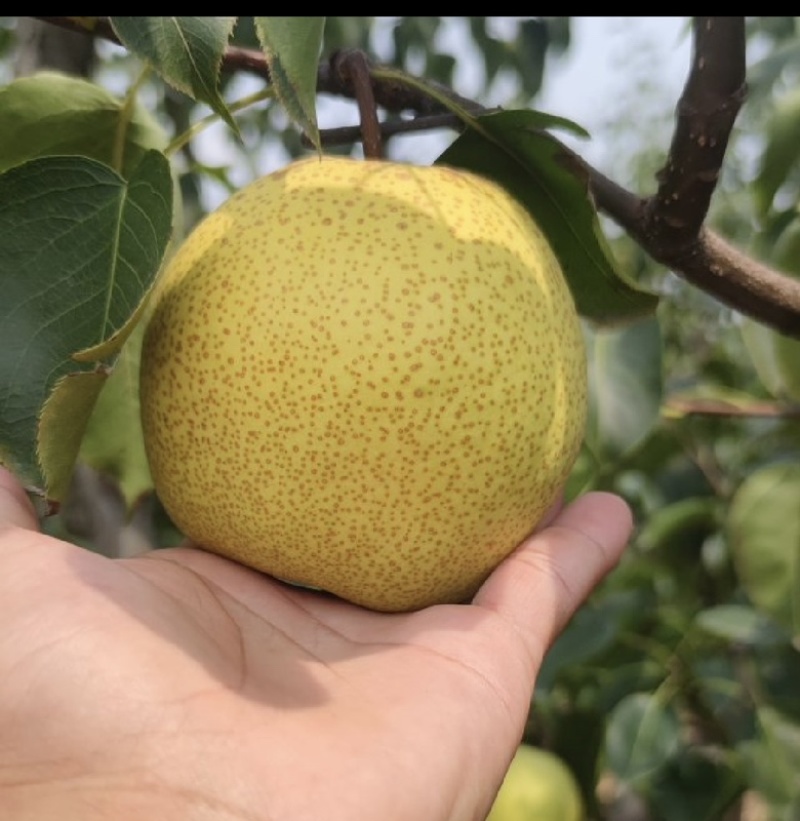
x,y
670,225
706,112
709,262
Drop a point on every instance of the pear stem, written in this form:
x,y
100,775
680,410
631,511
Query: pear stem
x,y
353,68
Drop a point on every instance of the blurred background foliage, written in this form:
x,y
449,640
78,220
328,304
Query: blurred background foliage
x,y
675,692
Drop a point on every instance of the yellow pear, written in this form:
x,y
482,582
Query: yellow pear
x,y
366,377
538,786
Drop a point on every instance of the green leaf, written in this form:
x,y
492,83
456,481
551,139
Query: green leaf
x,y
697,784
50,113
531,50
62,423
782,150
786,352
741,624
776,357
592,637
292,47
764,532
186,51
626,385
511,148
763,74
413,35
113,442
641,736
671,527
592,630
79,247
772,762
676,537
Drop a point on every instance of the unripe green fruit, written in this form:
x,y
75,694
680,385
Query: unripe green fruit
x,y
538,786
366,377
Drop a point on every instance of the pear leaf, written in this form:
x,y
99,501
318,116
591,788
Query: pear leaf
x,y
186,51
292,47
62,423
113,442
641,736
626,385
775,356
772,760
50,113
79,248
764,532
782,150
512,148
776,359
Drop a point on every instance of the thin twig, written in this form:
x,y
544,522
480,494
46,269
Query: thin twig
x,y
353,69
348,134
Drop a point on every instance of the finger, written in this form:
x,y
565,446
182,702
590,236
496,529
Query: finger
x,y
552,512
16,509
540,586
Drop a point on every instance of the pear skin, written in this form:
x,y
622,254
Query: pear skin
x,y
366,377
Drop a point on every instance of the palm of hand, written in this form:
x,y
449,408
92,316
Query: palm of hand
x,y
242,680
181,685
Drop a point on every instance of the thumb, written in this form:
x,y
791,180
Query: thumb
x,y
541,585
16,509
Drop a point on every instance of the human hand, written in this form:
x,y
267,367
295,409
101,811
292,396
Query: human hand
x,y
180,685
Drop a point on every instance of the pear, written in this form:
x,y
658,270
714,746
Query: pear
x,y
538,786
366,377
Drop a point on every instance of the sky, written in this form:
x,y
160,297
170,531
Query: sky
x,y
608,60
